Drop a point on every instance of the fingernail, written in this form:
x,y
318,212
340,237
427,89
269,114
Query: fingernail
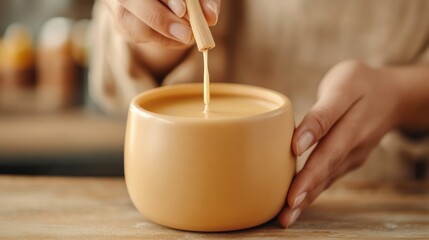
x,y
305,142
293,217
299,199
178,7
181,32
212,5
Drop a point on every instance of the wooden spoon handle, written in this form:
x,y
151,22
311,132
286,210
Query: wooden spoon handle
x,y
199,26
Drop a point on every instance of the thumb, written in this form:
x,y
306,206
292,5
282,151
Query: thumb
x,y
334,101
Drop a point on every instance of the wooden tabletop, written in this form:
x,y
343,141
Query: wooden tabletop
x,y
99,208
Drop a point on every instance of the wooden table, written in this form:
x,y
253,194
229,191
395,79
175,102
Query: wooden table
x,y
99,208
57,133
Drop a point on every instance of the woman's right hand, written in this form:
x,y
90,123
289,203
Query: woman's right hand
x,y
163,22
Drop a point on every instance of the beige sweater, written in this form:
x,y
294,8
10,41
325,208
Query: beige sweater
x,y
286,45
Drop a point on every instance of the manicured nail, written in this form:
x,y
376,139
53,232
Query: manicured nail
x,y
293,217
181,32
299,199
178,7
212,5
305,142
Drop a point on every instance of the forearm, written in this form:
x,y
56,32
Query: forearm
x,y
413,88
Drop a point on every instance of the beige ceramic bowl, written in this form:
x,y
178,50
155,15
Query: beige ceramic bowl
x,y
209,174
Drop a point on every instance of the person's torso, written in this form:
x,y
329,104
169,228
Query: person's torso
x,y
289,45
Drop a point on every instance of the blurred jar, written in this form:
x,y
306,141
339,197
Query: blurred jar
x,y
58,83
17,70
80,49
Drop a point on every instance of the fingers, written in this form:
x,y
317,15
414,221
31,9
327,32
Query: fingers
x,y
290,213
163,21
335,123
177,6
157,16
325,165
138,32
332,158
335,99
211,9
288,216
159,21
320,170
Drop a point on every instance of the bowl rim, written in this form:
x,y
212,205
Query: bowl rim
x,y
283,103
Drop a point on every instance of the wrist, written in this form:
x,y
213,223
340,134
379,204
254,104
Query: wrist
x,y
393,85
411,84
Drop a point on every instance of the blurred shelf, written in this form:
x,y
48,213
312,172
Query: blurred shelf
x,y
72,133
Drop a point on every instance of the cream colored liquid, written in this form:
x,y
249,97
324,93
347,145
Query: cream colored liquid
x,y
206,81
217,106
221,106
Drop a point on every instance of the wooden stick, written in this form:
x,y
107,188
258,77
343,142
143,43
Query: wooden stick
x,y
199,26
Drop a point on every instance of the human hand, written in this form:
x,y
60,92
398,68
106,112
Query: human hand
x,y
356,106
162,22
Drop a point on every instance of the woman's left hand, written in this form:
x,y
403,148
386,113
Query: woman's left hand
x,y
356,106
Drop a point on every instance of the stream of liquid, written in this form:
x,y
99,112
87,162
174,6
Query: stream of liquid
x,y
216,106
206,81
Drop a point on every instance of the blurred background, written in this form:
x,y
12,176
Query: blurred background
x,y
48,124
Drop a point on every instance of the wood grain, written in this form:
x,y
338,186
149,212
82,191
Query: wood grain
x,y
67,132
99,208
